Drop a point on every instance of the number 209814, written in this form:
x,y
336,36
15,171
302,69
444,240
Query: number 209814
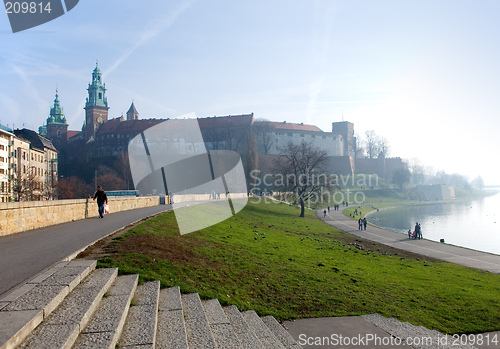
x,y
27,7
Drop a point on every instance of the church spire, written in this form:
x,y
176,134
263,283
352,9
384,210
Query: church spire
x,y
132,113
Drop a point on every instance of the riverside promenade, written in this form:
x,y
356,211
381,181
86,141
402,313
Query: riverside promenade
x,y
449,253
24,255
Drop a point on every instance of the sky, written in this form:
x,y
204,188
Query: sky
x,y
424,74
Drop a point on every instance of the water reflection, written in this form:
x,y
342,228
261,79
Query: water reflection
x,y
470,224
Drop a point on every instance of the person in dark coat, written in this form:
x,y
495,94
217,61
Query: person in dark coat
x,y
102,199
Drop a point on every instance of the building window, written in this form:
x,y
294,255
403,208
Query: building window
x,y
2,147
2,159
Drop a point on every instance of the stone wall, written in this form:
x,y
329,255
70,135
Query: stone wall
x,y
16,217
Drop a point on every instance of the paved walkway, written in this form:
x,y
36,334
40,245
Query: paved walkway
x,y
23,255
449,253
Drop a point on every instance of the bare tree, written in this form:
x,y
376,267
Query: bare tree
x,y
265,133
383,146
301,168
371,144
417,171
359,150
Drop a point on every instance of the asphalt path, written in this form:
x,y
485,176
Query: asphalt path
x,y
23,255
449,253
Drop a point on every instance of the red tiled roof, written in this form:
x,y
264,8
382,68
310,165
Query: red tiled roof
x,y
72,134
288,126
224,121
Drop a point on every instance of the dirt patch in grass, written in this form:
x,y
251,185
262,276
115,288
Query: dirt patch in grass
x,y
175,249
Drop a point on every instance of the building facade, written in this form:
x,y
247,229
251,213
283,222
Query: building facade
x,y
6,138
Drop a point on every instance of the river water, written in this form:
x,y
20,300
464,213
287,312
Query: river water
x,y
473,224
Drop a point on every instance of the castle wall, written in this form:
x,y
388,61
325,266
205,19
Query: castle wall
x,y
16,217
331,143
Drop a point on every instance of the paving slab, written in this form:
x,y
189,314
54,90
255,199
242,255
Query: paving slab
x,y
45,298
12,296
197,329
52,337
105,326
279,331
140,326
170,299
221,328
15,326
330,332
171,332
147,293
266,337
245,335
79,306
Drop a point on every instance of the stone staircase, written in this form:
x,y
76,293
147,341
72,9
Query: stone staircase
x,y
421,337
74,305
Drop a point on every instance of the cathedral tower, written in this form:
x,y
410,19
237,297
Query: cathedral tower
x,y
96,107
57,128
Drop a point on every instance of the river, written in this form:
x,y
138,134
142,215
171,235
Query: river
x,y
473,224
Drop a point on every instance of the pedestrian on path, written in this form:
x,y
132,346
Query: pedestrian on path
x,y
409,234
418,229
102,199
360,224
324,213
364,222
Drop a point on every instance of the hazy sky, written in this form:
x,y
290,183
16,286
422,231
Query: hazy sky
x,y
423,74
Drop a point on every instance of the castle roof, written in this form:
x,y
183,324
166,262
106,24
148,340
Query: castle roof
x,y
288,126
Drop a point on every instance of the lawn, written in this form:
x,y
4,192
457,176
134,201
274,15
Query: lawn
x,y
268,259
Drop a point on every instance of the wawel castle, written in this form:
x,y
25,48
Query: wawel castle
x,y
30,162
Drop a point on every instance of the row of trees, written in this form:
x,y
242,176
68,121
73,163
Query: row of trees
x,y
371,146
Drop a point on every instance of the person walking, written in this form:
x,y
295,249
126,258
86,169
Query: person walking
x,y
360,224
365,222
102,199
324,213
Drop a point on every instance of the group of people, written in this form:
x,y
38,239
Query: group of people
x,y
362,223
417,232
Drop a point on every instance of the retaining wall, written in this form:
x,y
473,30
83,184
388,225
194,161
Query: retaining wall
x,y
16,217
21,216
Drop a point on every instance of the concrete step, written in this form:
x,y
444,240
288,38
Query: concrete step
x,y
266,337
75,306
171,333
279,331
22,310
246,336
221,328
62,327
142,318
198,330
105,327
425,338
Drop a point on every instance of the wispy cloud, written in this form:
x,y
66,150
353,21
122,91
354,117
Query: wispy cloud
x,y
153,28
31,90
324,16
